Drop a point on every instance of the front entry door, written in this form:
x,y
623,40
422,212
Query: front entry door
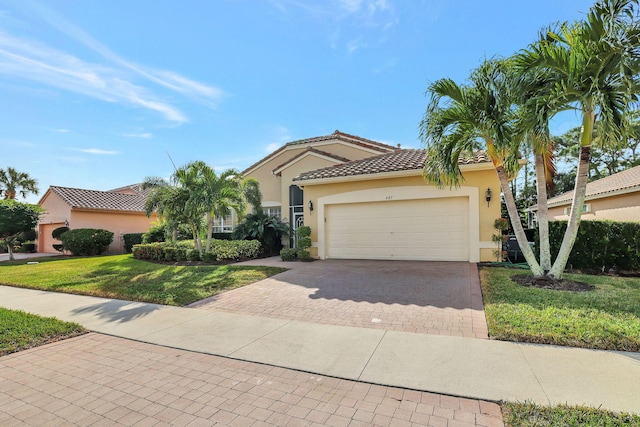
x,y
296,211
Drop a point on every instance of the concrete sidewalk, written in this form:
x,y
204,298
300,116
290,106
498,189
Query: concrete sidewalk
x,y
479,369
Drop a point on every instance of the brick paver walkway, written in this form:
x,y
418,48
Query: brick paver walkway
x,y
440,298
102,380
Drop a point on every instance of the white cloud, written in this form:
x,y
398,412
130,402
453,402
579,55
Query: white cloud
x,y
61,130
144,135
272,147
98,151
115,80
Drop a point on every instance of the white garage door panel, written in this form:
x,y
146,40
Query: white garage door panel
x,y
426,229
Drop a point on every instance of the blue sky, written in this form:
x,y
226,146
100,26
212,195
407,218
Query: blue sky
x,y
98,94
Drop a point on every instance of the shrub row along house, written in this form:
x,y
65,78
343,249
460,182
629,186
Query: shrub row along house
x,y
362,199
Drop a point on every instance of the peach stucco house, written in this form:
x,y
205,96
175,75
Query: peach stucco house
x,y
615,197
368,200
120,211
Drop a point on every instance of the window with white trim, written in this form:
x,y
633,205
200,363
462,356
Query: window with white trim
x,y
585,208
223,224
273,211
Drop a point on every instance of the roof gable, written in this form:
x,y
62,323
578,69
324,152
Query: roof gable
x,y
399,160
366,144
310,151
621,182
78,198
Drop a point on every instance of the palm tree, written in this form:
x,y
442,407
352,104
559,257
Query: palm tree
x,y
13,182
462,118
535,106
217,195
595,63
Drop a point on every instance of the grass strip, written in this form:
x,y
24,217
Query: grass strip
x,y
606,318
20,330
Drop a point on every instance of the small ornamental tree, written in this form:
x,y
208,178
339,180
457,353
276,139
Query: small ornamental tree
x,y
16,218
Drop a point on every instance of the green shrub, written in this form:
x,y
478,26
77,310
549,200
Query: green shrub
x,y
56,233
288,254
303,242
28,247
221,250
86,241
155,233
193,255
131,239
27,236
600,244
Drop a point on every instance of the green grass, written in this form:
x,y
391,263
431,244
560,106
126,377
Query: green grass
x,y
605,318
124,277
20,330
530,415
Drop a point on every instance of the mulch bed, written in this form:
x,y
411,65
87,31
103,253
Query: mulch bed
x,y
554,284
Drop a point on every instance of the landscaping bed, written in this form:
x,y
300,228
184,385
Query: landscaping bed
x,y
606,317
532,415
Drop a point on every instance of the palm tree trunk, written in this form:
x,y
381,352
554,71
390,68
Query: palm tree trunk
x,y
543,215
209,231
509,200
576,211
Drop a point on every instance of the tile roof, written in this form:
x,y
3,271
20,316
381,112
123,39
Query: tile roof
x,y
312,150
400,160
625,180
113,200
337,135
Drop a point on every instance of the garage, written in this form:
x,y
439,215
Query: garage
x,y
433,229
45,240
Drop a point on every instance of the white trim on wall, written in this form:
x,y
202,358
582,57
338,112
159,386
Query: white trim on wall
x,y
404,193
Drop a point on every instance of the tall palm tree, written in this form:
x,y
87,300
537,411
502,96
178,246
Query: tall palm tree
x,y
13,182
535,106
595,63
462,118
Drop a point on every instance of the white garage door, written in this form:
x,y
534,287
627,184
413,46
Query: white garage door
x,y
425,229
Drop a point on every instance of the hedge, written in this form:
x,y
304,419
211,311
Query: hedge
x,y
86,241
600,244
221,251
131,239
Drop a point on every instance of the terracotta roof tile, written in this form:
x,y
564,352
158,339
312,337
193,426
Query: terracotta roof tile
x,y
624,180
102,200
400,160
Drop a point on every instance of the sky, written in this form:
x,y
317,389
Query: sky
x,y
101,94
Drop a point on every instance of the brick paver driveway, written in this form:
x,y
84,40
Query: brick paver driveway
x,y
440,298
103,380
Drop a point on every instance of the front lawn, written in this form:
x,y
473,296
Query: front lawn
x,y
532,415
20,330
605,318
123,277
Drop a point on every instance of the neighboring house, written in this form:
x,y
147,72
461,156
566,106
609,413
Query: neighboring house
x,y
275,172
615,197
381,207
120,211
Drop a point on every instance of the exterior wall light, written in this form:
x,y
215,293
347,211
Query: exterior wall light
x,y
310,206
487,196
